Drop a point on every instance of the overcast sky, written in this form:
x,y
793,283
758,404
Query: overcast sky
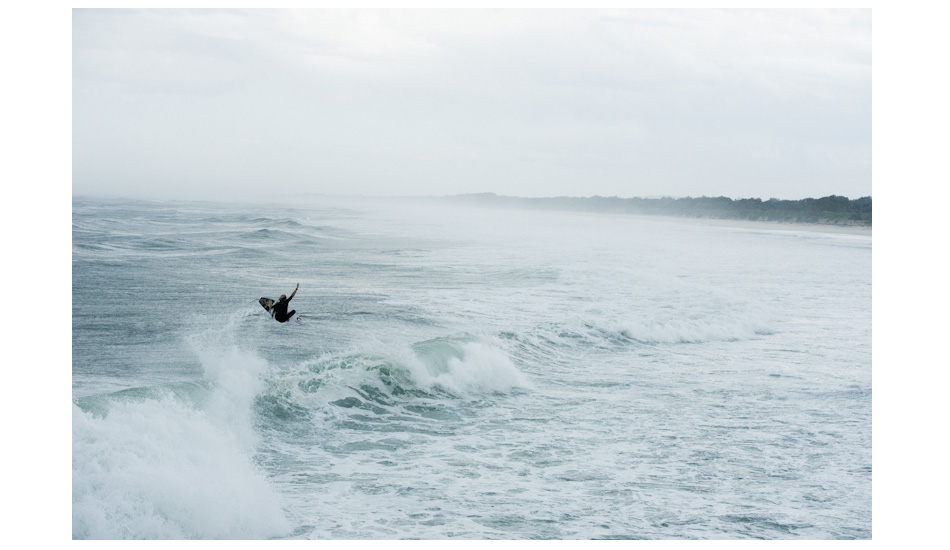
x,y
207,103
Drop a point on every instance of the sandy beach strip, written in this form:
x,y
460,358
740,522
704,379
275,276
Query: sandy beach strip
x,y
768,225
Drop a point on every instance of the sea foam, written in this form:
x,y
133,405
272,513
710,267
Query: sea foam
x,y
159,468
481,368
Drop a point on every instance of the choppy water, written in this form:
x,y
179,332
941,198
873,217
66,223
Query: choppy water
x,y
465,374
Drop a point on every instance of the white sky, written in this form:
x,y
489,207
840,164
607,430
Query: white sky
x,y
199,104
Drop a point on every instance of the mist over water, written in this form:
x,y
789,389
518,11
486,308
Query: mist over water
x,y
465,373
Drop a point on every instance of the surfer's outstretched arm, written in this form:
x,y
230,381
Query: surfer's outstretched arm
x,y
294,292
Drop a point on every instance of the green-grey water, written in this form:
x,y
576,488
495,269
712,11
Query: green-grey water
x,y
465,374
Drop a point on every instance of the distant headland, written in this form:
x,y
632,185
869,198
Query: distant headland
x,y
830,210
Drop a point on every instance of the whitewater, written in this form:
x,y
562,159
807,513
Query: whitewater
x,y
464,374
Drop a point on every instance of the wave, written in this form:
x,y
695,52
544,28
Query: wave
x,y
175,462
690,330
186,460
270,236
464,364
182,232
676,327
401,385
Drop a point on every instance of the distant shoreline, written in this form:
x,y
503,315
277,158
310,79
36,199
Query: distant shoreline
x,y
832,214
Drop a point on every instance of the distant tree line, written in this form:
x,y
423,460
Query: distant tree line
x,y
832,209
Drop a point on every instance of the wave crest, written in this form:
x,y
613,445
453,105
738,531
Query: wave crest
x,y
176,462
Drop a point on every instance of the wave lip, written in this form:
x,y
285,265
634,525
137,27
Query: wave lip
x,y
462,366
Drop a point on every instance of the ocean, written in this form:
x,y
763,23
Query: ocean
x,y
464,373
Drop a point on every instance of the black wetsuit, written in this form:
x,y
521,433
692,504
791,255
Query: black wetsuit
x,y
280,310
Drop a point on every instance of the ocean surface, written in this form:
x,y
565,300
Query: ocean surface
x,y
464,374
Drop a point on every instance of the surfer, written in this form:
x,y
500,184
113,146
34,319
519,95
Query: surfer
x,y
279,310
